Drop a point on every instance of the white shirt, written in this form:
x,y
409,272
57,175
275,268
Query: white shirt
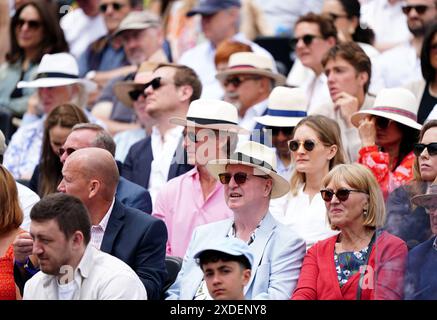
x,y
98,231
387,21
399,66
81,30
163,149
67,291
201,59
99,276
317,92
307,218
27,199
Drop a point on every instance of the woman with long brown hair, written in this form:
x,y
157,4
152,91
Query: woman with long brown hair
x,y
57,126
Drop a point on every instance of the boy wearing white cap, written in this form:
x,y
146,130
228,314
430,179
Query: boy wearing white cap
x,y
226,267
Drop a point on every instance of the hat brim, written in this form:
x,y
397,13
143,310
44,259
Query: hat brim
x,y
280,185
57,82
219,126
360,115
282,122
121,91
278,78
425,200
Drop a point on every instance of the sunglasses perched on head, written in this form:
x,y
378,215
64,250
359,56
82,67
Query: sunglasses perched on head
x,y
68,151
342,194
420,9
286,131
236,81
308,145
307,39
135,94
418,148
115,6
239,177
31,24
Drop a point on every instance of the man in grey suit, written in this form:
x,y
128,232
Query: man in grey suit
x,y
250,180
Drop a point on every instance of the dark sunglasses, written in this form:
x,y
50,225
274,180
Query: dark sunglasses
x,y
342,194
135,94
308,145
237,81
31,24
418,148
382,122
287,131
420,9
115,5
68,150
307,39
239,177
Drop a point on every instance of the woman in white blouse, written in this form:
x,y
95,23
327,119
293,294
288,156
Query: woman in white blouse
x,y
316,148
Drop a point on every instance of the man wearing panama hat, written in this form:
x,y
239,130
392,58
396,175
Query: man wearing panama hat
x,y
286,107
57,82
250,181
421,282
248,81
210,131
388,131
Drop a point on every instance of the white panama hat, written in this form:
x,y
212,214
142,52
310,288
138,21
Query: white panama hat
x,y
254,155
286,107
251,63
58,69
397,104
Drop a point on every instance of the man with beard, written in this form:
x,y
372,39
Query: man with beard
x,y
401,65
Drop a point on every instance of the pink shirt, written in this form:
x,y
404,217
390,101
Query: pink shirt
x,y
181,206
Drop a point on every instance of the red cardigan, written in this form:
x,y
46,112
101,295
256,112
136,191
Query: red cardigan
x,y
318,278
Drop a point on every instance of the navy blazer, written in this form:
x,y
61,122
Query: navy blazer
x,y
129,193
138,163
139,240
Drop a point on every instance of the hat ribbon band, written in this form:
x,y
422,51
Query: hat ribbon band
x,y
397,111
245,158
286,113
204,121
55,75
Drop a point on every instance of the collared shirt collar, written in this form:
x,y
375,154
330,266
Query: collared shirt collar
x,y
104,222
233,232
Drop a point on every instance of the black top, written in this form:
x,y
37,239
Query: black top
x,y
426,105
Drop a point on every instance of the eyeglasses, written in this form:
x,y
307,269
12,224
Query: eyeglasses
x,y
420,9
115,5
418,148
382,122
135,94
287,131
239,177
68,151
307,39
31,24
237,81
308,145
342,194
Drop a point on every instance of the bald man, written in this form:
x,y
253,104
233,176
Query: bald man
x,y
136,238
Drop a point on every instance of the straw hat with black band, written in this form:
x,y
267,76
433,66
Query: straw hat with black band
x,y
258,156
397,104
251,63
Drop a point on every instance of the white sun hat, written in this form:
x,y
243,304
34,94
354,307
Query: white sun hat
x,y
211,114
286,107
254,155
251,63
397,104
58,69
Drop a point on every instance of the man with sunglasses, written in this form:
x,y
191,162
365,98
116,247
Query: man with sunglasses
x,y
220,21
248,80
142,38
250,180
314,35
210,133
160,157
401,65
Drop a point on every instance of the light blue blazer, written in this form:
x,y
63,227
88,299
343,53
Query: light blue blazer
x,y
278,253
